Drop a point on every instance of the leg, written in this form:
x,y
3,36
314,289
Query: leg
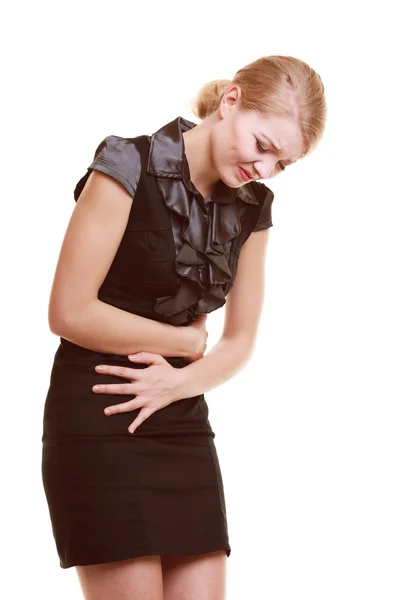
x,y
195,576
133,579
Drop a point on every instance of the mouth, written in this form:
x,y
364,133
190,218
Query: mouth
x,y
245,175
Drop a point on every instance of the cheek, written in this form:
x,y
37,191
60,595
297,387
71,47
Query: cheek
x,y
243,150
216,151
242,156
223,152
236,143
230,149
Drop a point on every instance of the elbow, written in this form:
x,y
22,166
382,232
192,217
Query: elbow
x,y
64,322
59,322
65,310
53,319
56,325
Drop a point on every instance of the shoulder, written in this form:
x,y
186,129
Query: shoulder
x,y
119,152
265,198
119,157
262,192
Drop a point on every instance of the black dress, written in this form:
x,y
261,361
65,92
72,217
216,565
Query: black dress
x,y
113,495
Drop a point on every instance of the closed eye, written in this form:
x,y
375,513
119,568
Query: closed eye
x,y
264,150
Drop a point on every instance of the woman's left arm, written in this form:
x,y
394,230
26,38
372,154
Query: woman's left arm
x,y
242,315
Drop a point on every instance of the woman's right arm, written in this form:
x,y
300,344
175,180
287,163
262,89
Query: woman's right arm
x,y
90,243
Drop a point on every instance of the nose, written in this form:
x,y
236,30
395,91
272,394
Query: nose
x,y
265,169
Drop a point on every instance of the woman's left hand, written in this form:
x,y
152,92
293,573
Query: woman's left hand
x,y
154,387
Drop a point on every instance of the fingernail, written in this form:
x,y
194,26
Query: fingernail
x,y
108,411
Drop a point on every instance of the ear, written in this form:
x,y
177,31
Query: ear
x,y
230,100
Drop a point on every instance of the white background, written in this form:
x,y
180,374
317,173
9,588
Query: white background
x,y
308,432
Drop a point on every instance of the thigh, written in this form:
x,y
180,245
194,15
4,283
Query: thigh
x,y
133,579
195,576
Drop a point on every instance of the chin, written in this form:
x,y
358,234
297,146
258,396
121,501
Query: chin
x,y
232,181
231,184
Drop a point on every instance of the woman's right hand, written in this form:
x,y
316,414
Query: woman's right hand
x,y
198,327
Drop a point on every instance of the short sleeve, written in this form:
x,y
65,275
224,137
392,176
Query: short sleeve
x,y
265,218
118,157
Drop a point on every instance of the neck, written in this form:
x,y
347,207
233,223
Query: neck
x,y
197,142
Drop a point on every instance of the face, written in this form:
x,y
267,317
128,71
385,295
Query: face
x,y
247,139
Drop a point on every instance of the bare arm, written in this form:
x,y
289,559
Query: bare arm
x,y
242,314
90,243
104,328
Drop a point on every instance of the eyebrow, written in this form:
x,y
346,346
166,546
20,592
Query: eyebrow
x,y
279,150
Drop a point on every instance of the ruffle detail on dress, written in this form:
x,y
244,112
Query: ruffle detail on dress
x,y
203,228
203,238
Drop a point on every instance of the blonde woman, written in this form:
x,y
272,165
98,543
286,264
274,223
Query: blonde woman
x,y
167,228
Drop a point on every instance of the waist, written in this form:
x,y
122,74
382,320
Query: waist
x,y
70,353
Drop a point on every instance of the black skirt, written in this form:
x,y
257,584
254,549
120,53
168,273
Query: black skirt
x,y
113,495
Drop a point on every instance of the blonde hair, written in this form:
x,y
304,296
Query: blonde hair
x,y
269,85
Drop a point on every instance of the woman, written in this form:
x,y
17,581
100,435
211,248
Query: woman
x,y
163,227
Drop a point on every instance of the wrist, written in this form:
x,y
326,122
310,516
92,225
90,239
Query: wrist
x,y
181,381
189,338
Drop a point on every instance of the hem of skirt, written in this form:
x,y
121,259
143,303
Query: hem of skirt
x,y
68,563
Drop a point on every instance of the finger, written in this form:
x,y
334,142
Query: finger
x,y
122,408
147,358
114,388
142,416
118,371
